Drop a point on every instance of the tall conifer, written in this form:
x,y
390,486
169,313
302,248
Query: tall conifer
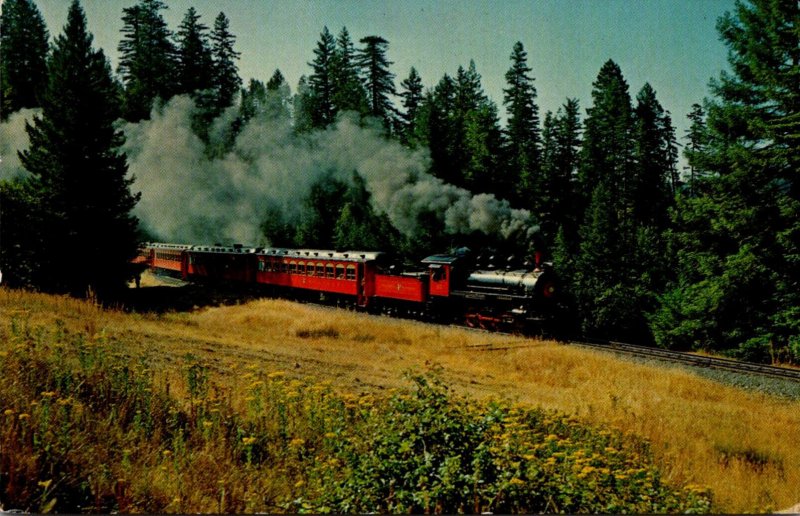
x,y
348,92
319,100
87,234
23,56
147,58
739,241
412,98
522,130
195,66
378,79
226,80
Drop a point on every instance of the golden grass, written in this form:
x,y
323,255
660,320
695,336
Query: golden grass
x,y
742,445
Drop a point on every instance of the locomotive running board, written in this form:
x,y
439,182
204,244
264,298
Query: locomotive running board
x,y
481,296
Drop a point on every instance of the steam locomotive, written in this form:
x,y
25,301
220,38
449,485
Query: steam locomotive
x,y
453,287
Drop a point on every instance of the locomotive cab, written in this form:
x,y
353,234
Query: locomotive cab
x,y
442,271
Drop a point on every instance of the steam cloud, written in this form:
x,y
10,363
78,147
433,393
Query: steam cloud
x,y
187,197
13,137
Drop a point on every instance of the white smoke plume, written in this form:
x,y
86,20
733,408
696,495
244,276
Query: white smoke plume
x,y
13,138
188,197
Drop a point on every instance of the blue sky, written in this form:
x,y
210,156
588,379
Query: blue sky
x,y
673,44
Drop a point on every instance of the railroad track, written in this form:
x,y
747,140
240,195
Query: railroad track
x,y
679,357
719,363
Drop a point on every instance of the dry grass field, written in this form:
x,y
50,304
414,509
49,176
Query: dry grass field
x,y
742,445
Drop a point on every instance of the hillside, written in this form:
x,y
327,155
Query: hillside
x,y
739,444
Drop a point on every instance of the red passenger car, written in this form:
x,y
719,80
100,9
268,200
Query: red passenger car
x,y
350,274
167,257
237,264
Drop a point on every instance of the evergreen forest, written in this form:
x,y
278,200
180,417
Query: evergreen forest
x,y
705,258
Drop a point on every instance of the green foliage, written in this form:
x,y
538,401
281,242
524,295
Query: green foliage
x,y
23,55
87,426
322,206
434,452
194,60
147,58
225,78
738,236
461,128
378,80
79,188
412,100
348,91
19,252
555,187
317,99
523,134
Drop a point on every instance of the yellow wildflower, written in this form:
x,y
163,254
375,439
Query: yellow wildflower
x,y
248,441
48,394
517,481
207,424
297,442
166,453
24,416
299,483
8,412
276,374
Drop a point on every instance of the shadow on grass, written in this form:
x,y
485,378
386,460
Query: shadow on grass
x,y
185,298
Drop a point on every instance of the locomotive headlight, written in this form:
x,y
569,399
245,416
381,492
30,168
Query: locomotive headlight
x,y
549,290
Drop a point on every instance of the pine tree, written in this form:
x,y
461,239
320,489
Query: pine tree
x,y
321,209
23,56
87,233
319,98
303,104
671,153
483,143
278,97
739,240
624,167
358,225
522,130
412,99
253,101
195,65
348,92
445,132
147,58
697,138
378,79
477,141
557,181
226,81
607,153
270,101
650,190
